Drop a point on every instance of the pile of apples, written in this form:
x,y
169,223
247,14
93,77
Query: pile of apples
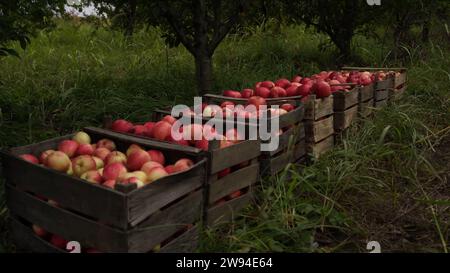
x,y
102,164
322,85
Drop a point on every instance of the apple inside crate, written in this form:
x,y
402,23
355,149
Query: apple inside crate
x,y
233,165
291,148
51,204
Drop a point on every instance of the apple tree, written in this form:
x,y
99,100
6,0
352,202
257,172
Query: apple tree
x,y
340,20
19,19
200,26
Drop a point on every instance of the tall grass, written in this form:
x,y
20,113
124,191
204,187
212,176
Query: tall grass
x,y
382,176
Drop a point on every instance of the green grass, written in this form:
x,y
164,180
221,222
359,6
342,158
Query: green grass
x,y
386,182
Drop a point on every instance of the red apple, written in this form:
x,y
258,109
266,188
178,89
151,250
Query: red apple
x,y
257,101
82,138
58,161
156,173
122,126
262,92
69,147
296,78
134,180
39,231
292,91
137,159
169,119
133,148
101,153
157,156
30,158
82,164
92,177
306,81
58,241
85,149
183,165
44,155
267,84
114,171
288,107
233,136
247,93
106,143
147,167
224,173
235,194
181,142
322,89
283,83
202,144
149,126
162,130
226,104
110,183
139,130
277,92
116,157
99,163
170,169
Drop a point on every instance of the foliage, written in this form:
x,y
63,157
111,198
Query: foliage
x,y
21,18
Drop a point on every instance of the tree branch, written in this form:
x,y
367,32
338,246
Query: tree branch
x,y
225,28
175,23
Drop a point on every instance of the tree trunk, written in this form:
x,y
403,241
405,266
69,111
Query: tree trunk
x,y
426,31
131,18
204,73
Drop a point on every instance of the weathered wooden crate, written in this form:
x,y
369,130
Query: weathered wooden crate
x,y
366,100
242,160
382,90
345,107
126,219
319,125
400,84
292,139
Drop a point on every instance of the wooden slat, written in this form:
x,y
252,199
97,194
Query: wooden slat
x,y
318,130
400,80
129,138
382,94
153,196
293,117
228,211
397,94
366,92
293,135
26,240
65,223
317,149
162,224
345,99
365,109
185,243
233,182
233,155
385,84
68,191
381,103
318,108
343,120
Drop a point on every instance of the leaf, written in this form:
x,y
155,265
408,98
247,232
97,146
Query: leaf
x,y
8,51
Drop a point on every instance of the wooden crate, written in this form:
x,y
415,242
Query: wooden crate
x,y
365,109
241,158
382,90
319,125
400,84
125,219
290,141
345,106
